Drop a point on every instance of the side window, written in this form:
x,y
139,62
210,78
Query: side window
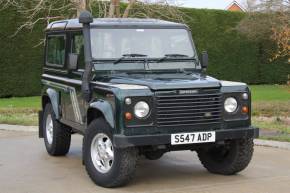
x,y
78,48
55,50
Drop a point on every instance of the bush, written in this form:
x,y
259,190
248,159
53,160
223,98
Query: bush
x,y
232,56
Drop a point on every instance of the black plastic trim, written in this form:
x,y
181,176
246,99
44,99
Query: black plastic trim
x,y
122,141
40,124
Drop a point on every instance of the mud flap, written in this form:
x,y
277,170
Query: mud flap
x,y
40,124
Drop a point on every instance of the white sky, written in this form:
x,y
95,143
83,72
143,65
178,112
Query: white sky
x,y
209,4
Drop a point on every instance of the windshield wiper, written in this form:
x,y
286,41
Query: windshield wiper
x,y
125,56
173,56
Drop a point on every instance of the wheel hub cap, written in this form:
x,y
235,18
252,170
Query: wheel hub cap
x,y
102,153
49,129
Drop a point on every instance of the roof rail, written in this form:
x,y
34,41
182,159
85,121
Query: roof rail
x,y
59,25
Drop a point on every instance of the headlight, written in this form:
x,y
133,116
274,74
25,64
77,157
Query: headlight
x,y
141,109
231,104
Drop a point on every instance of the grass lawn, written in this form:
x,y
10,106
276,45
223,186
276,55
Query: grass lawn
x,y
19,111
270,93
21,102
271,100
271,111
270,104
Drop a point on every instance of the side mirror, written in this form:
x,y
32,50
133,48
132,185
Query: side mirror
x,y
72,61
204,60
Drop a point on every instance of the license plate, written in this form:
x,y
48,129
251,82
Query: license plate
x,y
189,138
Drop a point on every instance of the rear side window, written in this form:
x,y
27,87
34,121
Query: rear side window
x,y
55,50
78,48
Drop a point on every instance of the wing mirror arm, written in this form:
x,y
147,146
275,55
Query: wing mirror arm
x,y
204,60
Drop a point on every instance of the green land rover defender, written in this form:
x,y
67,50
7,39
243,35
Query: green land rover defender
x,y
136,87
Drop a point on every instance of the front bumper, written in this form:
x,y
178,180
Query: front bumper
x,y
122,141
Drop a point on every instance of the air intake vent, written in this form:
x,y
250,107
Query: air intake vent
x,y
188,107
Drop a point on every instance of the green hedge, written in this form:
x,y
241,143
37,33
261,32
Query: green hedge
x,y
231,56
20,62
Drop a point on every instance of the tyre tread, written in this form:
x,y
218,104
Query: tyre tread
x,y
243,156
61,138
127,165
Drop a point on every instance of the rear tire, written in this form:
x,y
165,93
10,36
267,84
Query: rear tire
x,y
106,165
227,159
57,137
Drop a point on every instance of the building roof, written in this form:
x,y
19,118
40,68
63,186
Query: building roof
x,y
235,4
113,22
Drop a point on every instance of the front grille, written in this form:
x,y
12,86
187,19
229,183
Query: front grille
x,y
202,107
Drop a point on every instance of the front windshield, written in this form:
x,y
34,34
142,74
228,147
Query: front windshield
x,y
157,49
154,43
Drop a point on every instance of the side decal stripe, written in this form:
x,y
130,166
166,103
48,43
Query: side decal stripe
x,y
73,96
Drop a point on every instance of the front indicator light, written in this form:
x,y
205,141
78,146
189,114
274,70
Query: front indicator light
x,y
245,109
128,116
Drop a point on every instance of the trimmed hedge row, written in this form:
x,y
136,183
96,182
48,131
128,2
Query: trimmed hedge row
x,y
20,62
232,57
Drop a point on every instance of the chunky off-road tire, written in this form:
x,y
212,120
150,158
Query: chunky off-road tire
x,y
57,141
153,155
123,166
227,159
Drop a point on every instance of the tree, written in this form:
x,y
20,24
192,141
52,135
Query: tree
x,y
45,11
269,21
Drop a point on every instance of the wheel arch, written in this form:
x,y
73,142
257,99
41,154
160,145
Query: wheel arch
x,y
44,100
103,109
51,96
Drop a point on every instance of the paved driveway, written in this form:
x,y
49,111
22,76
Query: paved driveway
x,y
25,167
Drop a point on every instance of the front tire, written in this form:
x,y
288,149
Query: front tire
x,y
228,159
153,155
107,165
57,137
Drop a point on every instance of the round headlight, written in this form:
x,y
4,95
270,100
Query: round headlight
x,y
141,109
231,104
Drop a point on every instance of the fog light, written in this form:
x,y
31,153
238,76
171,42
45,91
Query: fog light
x,y
128,116
245,109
